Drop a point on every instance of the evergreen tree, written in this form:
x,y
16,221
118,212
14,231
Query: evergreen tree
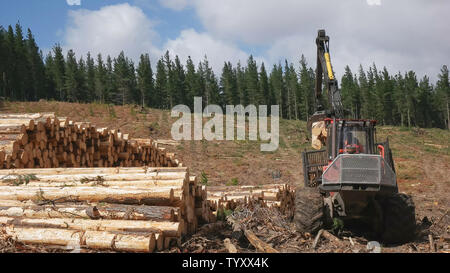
x,y
191,83
277,85
443,95
351,98
161,86
58,71
10,76
145,80
100,80
387,97
50,85
90,78
71,77
179,82
228,83
36,68
264,86
241,85
111,87
411,86
424,108
291,84
251,83
306,89
123,78
3,57
82,94
23,81
366,95
400,96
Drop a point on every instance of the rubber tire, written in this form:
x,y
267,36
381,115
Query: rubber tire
x,y
309,210
399,219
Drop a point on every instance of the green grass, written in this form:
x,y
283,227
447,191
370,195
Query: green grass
x,y
203,178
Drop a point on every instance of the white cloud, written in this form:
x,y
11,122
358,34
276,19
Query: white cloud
x,y
262,21
194,44
401,34
73,2
374,2
177,5
111,30
390,35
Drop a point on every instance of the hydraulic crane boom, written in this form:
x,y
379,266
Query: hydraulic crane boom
x,y
324,71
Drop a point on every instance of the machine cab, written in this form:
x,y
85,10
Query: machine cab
x,y
350,137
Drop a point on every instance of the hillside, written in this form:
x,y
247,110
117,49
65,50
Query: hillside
x,y
422,156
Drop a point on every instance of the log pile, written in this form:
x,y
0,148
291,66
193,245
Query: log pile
x,y
43,140
137,209
225,198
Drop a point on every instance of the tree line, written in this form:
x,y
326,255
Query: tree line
x,y
394,99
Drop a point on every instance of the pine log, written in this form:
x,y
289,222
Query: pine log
x,y
101,171
135,243
83,182
61,237
88,239
171,229
258,244
159,196
113,211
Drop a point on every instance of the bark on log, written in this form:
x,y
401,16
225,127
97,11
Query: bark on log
x,y
112,212
61,237
151,171
85,181
258,244
90,239
171,229
163,196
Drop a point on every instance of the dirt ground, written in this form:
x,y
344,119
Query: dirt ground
x,y
422,159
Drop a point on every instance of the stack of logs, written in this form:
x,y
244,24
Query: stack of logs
x,y
112,209
223,198
144,201
44,141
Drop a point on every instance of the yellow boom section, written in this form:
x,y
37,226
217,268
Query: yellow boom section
x,y
330,71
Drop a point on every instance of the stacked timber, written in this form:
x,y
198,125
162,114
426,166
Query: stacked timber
x,y
43,140
223,198
140,209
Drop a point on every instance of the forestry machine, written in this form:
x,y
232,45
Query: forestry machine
x,y
349,178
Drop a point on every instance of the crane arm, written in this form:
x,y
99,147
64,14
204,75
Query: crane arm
x,y
324,71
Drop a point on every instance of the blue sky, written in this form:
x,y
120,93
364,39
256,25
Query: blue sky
x,y
48,19
400,34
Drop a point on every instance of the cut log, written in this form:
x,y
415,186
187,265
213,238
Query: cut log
x,y
258,244
171,229
229,246
107,211
157,172
99,239
91,239
135,243
160,196
60,237
85,181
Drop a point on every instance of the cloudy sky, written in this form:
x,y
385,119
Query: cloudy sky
x,y
398,34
